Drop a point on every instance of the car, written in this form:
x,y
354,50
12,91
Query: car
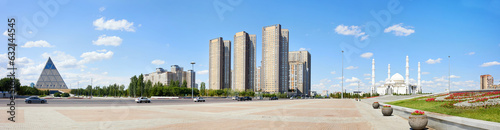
x,y
142,99
259,98
244,98
199,99
34,99
291,98
235,98
273,98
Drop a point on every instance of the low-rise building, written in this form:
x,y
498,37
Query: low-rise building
x,y
176,73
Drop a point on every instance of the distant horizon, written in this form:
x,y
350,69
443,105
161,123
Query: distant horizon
x,y
111,42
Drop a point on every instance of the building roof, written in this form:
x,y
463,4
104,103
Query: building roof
x,y
397,77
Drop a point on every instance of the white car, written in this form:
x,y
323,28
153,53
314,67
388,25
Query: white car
x,y
142,99
235,98
199,99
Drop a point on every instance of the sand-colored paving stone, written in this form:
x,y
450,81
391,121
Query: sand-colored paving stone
x,y
259,124
114,114
208,109
19,116
310,113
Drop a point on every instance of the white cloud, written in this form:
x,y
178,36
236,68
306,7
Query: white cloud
x,y
367,55
108,41
353,79
102,9
5,33
203,72
471,53
113,24
104,73
62,60
367,75
454,76
39,43
431,61
427,82
398,30
351,30
333,72
103,50
158,62
95,56
424,73
368,78
490,64
339,78
351,67
304,49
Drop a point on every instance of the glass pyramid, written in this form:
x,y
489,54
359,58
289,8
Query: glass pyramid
x,y
50,78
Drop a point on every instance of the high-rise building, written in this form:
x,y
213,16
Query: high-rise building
x,y
220,64
244,61
257,79
300,72
176,74
486,81
190,78
275,77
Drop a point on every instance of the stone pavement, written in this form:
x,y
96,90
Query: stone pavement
x,y
281,114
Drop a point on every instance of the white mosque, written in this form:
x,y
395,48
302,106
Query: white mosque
x,y
396,84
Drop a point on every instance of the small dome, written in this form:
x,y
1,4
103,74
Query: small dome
x,y
397,77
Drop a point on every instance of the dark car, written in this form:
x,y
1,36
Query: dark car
x,y
34,99
273,98
244,98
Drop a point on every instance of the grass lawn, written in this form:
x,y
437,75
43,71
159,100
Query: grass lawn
x,y
487,114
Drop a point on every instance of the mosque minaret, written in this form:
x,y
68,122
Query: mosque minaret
x,y
396,84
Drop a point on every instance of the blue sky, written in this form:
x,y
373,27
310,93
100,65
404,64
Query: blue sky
x,y
110,41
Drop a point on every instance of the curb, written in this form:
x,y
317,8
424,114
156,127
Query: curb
x,y
443,121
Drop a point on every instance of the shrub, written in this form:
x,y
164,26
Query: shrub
x,y
417,112
65,95
57,94
430,99
387,105
448,105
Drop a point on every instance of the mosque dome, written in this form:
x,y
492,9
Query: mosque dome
x,y
397,77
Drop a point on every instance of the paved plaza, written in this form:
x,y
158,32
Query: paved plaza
x,y
280,114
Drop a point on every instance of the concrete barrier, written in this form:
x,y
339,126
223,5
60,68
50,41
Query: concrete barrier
x,y
163,97
447,122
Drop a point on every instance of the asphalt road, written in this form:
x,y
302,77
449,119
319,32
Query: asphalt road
x,y
117,102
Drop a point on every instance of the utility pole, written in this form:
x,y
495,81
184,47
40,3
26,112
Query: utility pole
x,y
342,91
449,74
91,88
192,84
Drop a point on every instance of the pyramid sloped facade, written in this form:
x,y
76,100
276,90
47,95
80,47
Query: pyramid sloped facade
x,y
50,78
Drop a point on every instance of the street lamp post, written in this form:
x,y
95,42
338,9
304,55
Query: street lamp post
x,y
192,84
91,87
342,91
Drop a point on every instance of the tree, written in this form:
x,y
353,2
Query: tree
x,y
202,88
184,84
132,86
6,84
148,86
140,84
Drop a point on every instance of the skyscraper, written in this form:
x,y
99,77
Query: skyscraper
x,y
244,61
300,72
257,87
220,63
275,77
